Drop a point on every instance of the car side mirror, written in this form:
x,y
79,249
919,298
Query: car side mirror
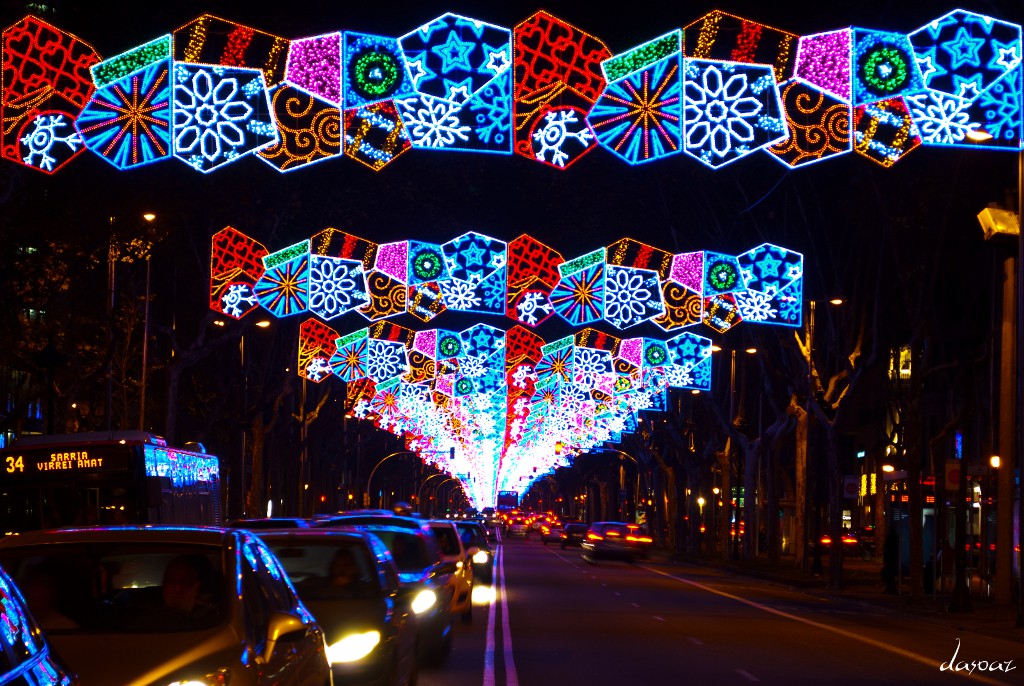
x,y
282,627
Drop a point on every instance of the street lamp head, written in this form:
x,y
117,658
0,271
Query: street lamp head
x,y
994,461
888,468
149,216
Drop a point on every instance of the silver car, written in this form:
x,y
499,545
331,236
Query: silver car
x,y
158,606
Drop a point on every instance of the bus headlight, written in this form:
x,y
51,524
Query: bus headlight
x,y
423,601
353,647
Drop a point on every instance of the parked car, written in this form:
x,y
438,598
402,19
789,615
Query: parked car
x,y
349,582
26,658
269,523
163,605
615,541
421,569
857,542
573,534
474,539
450,544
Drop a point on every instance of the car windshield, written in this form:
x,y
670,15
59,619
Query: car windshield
x,y
472,535
447,538
327,569
120,587
409,550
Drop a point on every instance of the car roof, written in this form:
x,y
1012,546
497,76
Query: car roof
x,y
359,517
121,534
303,534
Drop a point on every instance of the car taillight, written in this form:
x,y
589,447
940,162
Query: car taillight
x,y
826,540
595,537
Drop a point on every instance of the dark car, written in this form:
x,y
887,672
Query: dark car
x,y
615,541
164,605
25,657
349,582
360,517
573,534
269,523
430,580
474,538
856,543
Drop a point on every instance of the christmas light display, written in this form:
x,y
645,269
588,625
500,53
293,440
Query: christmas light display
x,y
314,65
127,121
220,114
728,38
310,130
970,66
719,89
730,110
215,41
558,79
46,83
639,116
818,124
503,399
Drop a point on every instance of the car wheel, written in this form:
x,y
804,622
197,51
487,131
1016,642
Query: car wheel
x,y
563,546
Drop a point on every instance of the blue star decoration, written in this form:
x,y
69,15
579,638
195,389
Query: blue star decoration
x,y
964,49
454,52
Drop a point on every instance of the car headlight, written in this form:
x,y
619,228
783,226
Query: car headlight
x,y
219,678
480,557
353,647
423,601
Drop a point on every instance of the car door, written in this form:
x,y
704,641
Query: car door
x,y
297,655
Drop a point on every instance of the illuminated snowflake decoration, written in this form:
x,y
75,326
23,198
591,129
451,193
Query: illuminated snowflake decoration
x,y
52,141
220,115
336,286
730,110
563,136
385,360
941,119
318,369
631,296
532,303
237,300
755,307
460,295
433,122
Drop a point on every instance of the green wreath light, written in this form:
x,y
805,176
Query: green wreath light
x,y
655,356
449,346
876,60
428,265
722,276
385,70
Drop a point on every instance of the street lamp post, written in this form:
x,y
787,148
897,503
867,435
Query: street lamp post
x,y
419,491
380,501
149,217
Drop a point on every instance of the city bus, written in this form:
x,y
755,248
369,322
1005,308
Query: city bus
x,y
105,478
508,500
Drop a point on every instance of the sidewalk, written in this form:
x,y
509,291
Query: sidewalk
x,y
862,583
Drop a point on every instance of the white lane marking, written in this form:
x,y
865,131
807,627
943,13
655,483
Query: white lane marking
x,y
695,641
489,650
746,675
634,605
660,619
910,655
511,678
